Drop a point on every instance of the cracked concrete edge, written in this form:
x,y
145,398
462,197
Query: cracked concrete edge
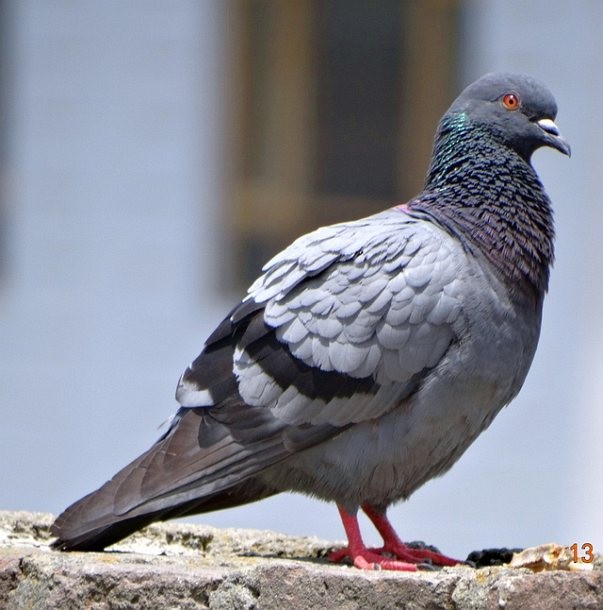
x,y
177,565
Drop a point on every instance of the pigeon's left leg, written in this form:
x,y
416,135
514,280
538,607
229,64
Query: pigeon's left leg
x,y
393,545
363,558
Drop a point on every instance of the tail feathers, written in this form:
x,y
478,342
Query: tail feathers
x,y
99,538
196,467
206,461
81,528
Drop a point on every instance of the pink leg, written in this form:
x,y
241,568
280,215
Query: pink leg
x,y
362,557
392,543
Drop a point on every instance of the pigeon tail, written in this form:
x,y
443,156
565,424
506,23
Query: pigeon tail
x,y
82,528
97,539
166,482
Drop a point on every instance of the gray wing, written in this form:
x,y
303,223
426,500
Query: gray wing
x,y
372,301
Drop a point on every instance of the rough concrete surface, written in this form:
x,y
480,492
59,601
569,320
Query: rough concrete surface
x,y
178,565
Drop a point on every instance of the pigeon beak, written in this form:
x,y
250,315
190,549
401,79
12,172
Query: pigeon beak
x,y
553,137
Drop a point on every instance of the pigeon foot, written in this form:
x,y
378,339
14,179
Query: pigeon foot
x,y
411,555
394,546
393,555
369,559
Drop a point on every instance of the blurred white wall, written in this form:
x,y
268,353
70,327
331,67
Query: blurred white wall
x,y
115,176
115,182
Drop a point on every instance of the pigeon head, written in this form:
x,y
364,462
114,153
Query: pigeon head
x,y
518,111
481,183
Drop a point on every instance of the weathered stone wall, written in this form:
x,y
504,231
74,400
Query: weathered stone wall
x,y
184,566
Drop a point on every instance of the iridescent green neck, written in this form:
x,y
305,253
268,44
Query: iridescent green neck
x,y
488,193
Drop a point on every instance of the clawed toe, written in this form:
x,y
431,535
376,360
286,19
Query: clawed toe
x,y
411,555
366,559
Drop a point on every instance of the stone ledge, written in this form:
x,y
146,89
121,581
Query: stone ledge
x,y
177,565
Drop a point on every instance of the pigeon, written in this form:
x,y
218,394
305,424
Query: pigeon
x,y
369,354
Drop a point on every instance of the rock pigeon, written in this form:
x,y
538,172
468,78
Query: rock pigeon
x,y
369,354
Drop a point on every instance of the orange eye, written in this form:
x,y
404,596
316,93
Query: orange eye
x,y
510,101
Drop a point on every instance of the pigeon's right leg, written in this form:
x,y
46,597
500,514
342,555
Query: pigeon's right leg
x,y
361,557
393,545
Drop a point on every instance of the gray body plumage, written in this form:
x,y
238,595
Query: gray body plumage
x,y
434,326
370,354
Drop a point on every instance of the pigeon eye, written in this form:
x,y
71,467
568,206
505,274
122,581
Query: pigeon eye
x,y
511,101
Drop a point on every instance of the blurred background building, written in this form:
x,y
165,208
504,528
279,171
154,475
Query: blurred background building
x,y
154,153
